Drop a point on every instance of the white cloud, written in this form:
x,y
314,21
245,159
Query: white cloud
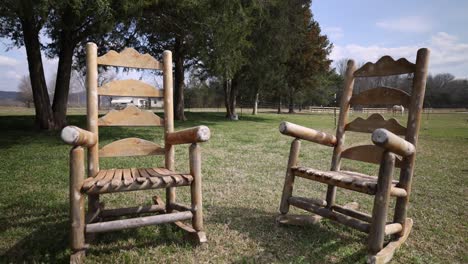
x,y
447,53
7,61
410,24
333,33
13,75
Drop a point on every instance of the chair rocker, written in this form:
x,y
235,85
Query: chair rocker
x,y
389,150
100,181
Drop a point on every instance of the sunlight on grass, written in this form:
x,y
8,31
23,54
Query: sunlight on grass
x,y
243,172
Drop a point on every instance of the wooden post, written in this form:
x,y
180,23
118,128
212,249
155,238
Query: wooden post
x,y
196,188
77,207
381,201
340,130
289,179
92,118
414,123
168,121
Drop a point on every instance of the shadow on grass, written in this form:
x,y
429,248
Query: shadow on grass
x,y
46,243
296,244
20,130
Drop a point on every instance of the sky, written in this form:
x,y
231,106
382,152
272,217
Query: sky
x,y
363,30
368,29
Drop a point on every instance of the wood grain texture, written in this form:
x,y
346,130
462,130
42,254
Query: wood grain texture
x,y
366,153
133,88
374,122
340,130
77,200
130,116
189,135
297,131
130,58
387,140
131,147
385,66
386,254
137,222
122,180
289,178
381,203
76,136
196,187
381,96
168,120
345,179
412,134
328,213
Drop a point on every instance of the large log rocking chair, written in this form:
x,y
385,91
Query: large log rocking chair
x,y
388,150
122,180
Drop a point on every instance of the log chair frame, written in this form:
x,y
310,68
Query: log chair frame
x,y
84,225
391,145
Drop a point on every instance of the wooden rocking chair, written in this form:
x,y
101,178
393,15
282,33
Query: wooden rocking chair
x,y
387,146
121,180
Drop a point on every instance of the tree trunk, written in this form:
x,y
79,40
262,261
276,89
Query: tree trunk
x,y
279,105
62,84
232,99
44,115
255,107
227,92
291,102
179,81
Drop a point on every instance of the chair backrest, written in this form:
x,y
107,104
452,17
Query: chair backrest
x,y
413,101
131,115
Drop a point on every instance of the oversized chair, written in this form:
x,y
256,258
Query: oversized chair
x,y
101,181
388,150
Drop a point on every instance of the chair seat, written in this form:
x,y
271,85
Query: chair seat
x,y
345,179
121,180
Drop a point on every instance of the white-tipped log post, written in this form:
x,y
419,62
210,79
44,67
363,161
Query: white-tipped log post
x,y
189,135
92,119
305,133
289,179
77,206
196,187
168,122
393,143
76,136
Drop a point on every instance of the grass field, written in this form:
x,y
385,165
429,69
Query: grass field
x,y
243,172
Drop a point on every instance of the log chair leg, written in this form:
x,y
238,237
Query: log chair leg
x,y
331,194
77,205
196,192
381,201
289,179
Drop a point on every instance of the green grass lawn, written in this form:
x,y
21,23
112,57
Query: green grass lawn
x,y
243,173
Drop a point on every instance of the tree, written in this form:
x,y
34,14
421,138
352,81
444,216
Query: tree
x,y
25,89
66,23
76,21
226,32
174,25
21,21
308,59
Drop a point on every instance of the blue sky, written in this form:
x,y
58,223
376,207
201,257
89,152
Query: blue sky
x,y
365,30
360,29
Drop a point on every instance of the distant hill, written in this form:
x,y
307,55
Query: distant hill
x,y
10,98
9,95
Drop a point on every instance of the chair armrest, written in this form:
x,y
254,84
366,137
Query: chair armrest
x,y
76,136
308,134
189,135
386,139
